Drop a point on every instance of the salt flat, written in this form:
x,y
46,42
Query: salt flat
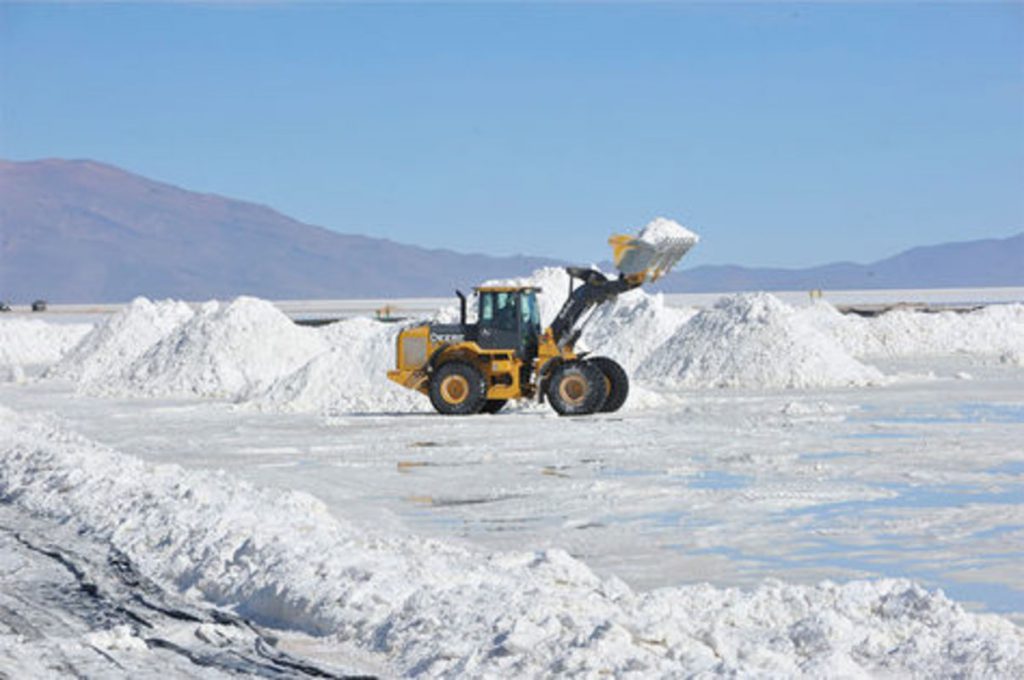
x,y
870,465
921,479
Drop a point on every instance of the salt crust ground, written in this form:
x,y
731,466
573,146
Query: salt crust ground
x,y
437,610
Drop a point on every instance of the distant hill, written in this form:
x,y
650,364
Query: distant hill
x,y
968,264
81,231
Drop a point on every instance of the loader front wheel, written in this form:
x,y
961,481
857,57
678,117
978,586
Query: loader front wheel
x,y
457,388
576,389
616,383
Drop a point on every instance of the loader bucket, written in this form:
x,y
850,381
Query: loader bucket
x,y
635,256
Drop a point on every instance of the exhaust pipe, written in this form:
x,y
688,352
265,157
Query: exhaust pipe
x,y
462,307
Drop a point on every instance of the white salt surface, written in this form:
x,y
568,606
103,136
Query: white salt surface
x,y
1013,357
32,341
437,610
225,350
12,373
753,340
112,346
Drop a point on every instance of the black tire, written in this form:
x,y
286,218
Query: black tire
x,y
576,388
457,388
616,383
493,405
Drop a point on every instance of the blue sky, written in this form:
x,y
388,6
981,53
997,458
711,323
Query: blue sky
x,y
787,135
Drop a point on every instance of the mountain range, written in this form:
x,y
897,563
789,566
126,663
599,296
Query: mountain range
x,y
83,231
995,262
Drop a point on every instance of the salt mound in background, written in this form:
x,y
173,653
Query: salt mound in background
x,y
993,330
554,285
632,327
435,609
349,378
756,341
113,345
231,351
32,341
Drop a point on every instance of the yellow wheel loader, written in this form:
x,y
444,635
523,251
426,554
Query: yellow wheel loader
x,y
469,368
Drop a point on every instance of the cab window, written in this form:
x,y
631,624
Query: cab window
x,y
530,312
487,309
498,310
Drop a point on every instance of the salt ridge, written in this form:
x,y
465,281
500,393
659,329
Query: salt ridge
x,y
439,610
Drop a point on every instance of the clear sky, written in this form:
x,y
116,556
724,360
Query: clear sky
x,y
786,135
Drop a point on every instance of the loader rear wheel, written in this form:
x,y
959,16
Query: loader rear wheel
x,y
576,389
616,383
493,405
457,388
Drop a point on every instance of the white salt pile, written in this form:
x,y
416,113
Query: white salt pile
x,y
113,345
632,327
349,378
662,229
32,341
433,609
994,330
250,350
753,340
554,284
232,351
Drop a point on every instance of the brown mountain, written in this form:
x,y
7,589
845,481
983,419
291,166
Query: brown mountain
x,y
81,231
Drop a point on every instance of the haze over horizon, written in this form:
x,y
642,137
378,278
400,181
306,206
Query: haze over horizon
x,y
787,135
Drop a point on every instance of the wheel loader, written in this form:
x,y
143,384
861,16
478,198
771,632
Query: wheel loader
x,y
468,368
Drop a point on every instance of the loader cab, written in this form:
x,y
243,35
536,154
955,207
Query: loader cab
x,y
509,318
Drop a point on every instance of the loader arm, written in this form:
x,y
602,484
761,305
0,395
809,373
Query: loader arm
x,y
595,290
638,260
